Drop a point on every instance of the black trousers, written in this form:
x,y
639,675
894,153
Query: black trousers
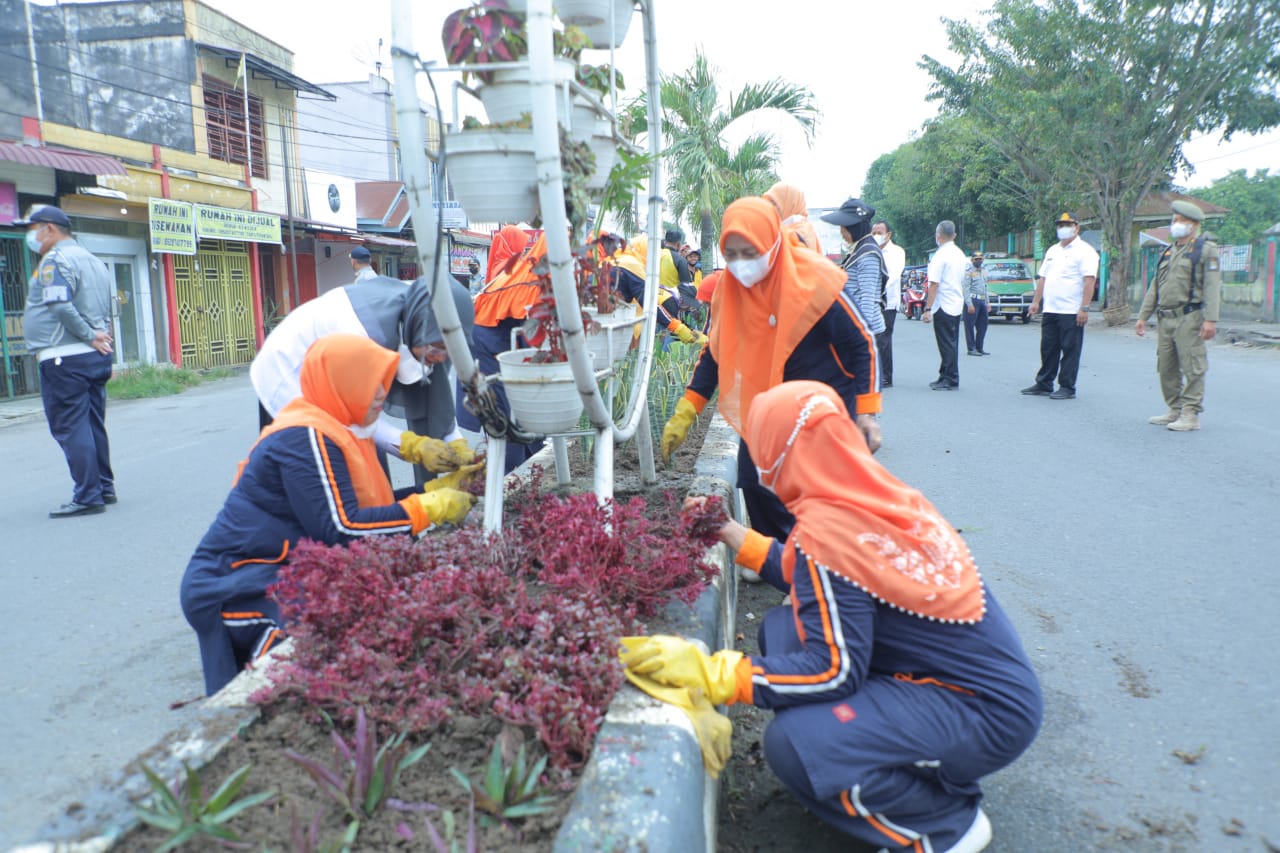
x,y
946,331
1061,341
884,347
975,325
73,389
767,514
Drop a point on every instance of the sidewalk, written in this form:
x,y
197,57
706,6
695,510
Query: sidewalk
x,y
20,410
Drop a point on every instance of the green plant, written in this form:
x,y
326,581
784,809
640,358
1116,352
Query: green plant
x,y
365,774
306,839
597,77
626,178
183,812
448,842
152,380
570,43
508,792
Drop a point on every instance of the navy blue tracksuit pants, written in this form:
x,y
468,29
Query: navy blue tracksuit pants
x,y
74,391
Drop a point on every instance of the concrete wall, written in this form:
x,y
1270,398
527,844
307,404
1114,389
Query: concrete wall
x,y
17,90
350,137
122,69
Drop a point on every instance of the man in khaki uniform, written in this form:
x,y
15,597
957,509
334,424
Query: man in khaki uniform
x,y
1185,297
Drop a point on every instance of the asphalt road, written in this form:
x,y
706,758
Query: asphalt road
x,y
1136,563
1138,566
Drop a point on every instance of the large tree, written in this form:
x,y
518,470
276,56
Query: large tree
x,y
1254,203
705,173
1092,100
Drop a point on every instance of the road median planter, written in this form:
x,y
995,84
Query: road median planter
x,y
643,787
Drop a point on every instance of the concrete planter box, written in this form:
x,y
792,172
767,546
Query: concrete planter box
x,y
643,789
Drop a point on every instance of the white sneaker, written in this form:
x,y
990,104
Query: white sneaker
x,y
976,837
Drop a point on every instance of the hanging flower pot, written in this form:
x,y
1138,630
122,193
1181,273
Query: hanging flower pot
x,y
580,12
508,97
609,342
494,174
544,397
597,132
606,33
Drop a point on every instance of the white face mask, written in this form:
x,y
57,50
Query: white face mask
x,y
33,240
881,239
1066,232
1178,230
751,270
767,476
362,431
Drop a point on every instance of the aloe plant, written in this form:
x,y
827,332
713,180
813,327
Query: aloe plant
x,y
183,812
365,773
508,792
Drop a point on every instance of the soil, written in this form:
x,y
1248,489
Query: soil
x,y
428,786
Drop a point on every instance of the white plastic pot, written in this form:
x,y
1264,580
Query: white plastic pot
x,y
544,398
601,35
508,96
597,132
494,174
612,341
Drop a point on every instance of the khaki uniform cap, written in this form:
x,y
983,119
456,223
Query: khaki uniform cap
x,y
1189,210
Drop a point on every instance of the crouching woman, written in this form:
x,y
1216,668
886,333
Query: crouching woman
x,y
313,474
897,679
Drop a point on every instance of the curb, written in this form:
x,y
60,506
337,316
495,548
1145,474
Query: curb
x,y
643,789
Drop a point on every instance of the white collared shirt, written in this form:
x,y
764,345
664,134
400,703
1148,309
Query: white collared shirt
x,y
947,269
1064,270
895,260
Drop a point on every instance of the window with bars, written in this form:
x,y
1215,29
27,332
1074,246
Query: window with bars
x,y
224,118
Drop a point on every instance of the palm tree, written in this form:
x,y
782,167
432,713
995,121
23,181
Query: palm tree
x,y
703,174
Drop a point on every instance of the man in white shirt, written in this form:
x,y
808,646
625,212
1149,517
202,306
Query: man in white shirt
x,y
895,260
944,303
1065,285
362,263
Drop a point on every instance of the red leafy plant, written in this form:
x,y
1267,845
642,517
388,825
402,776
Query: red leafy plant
x,y
524,627
484,32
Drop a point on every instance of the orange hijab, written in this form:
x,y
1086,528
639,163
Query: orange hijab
x,y
340,376
510,293
755,330
508,243
795,215
854,517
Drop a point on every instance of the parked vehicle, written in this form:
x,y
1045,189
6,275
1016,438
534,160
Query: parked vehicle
x,y
1010,287
914,291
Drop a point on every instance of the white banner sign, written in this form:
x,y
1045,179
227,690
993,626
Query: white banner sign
x,y
1234,258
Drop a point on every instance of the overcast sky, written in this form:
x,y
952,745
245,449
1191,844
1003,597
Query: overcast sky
x,y
858,58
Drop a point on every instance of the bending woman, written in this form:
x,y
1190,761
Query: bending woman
x,y
897,679
312,474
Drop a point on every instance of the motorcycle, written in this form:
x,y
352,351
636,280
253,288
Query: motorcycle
x,y
913,293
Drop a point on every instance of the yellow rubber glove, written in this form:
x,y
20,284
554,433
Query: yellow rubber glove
x,y
713,729
676,662
433,453
459,479
677,429
683,332
446,506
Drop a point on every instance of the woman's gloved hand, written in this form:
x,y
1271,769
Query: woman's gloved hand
x,y
459,479
677,429
434,454
685,334
713,729
676,662
446,505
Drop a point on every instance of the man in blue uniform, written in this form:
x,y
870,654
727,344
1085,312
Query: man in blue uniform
x,y
67,323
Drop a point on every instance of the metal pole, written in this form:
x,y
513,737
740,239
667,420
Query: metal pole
x,y
295,287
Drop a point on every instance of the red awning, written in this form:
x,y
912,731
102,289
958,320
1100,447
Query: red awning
x,y
65,159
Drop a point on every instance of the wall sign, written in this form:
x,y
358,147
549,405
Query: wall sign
x,y
173,226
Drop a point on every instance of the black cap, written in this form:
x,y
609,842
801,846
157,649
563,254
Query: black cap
x,y
1068,218
47,213
850,213
360,253
675,235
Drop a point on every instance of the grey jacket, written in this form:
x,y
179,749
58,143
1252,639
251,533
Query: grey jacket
x,y
68,298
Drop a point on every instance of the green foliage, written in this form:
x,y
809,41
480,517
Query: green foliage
x,y
184,813
365,773
1254,203
1092,101
508,792
626,179
703,173
152,380
307,838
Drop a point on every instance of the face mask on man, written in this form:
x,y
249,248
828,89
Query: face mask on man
x,y
33,240
1066,232
1178,230
881,239
751,270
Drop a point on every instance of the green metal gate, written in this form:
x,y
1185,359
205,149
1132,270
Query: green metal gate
x,y
20,369
215,305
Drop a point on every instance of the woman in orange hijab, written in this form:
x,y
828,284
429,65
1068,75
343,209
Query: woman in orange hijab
x,y
897,679
779,313
789,199
313,474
